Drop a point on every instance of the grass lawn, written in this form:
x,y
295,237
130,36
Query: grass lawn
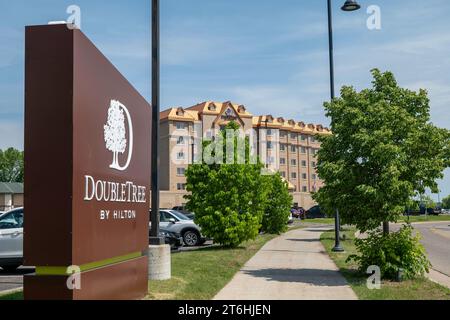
x,y
320,221
419,289
426,218
199,275
12,296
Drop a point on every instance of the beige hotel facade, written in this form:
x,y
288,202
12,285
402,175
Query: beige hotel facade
x,y
285,145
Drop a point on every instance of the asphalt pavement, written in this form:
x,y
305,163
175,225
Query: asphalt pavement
x,y
436,240
11,281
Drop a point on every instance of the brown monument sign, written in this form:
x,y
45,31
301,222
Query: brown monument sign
x,y
87,143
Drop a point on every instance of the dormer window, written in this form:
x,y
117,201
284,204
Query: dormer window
x,y
180,112
269,119
212,107
241,109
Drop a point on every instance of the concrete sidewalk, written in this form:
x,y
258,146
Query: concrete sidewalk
x,y
293,266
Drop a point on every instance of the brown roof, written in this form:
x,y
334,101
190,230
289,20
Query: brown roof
x,y
195,112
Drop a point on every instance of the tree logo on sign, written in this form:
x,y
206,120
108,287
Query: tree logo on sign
x,y
115,134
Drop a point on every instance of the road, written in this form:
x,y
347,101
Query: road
x,y
436,239
11,281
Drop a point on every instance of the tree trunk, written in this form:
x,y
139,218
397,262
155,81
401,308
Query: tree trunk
x,y
386,227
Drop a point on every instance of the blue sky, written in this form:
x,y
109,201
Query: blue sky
x,y
268,55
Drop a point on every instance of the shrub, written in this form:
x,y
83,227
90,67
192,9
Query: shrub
x,y
228,201
228,198
391,252
278,204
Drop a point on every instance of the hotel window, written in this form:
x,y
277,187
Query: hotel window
x,y
303,163
282,161
314,177
269,145
313,139
181,125
181,171
293,149
304,176
283,174
294,175
293,136
305,189
269,132
181,186
283,134
293,162
180,155
303,150
282,147
180,140
303,137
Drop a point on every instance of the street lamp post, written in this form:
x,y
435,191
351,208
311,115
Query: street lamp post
x,y
155,239
349,5
267,144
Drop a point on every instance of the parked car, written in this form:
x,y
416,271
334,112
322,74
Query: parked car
x,y
184,211
175,240
434,211
291,219
315,213
174,221
298,213
11,240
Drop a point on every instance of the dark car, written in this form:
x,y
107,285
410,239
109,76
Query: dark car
x,y
315,213
433,211
173,239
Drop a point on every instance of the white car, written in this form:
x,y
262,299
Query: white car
x,y
11,240
178,223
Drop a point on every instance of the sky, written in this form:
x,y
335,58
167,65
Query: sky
x,y
271,56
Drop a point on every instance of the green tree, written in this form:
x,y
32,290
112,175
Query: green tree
x,y
446,202
383,152
278,205
428,201
11,165
228,198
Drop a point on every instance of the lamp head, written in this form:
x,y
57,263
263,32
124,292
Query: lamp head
x,y
351,5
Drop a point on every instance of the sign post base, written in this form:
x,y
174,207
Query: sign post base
x,y
159,262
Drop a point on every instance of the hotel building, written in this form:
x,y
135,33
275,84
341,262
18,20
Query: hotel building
x,y
285,145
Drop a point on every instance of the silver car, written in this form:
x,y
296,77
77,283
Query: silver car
x,y
11,239
176,222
